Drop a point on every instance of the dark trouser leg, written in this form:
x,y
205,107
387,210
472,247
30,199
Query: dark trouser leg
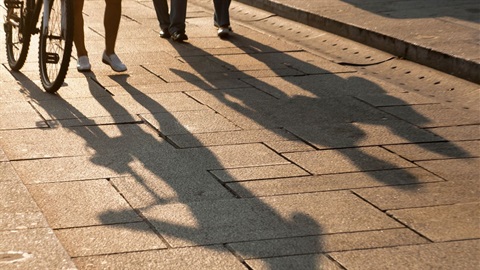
x,y
161,8
178,14
222,15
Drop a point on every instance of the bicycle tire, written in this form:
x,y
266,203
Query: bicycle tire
x,y
17,34
56,42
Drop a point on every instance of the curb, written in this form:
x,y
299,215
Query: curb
x,y
459,67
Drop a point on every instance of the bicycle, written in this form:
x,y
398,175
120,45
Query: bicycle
x,y
56,37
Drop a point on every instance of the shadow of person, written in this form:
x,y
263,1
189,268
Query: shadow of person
x,y
159,166
322,108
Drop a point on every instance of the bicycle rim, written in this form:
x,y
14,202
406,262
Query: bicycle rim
x,y
56,45
17,36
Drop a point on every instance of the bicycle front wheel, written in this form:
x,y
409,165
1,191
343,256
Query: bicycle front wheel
x,y
17,34
56,41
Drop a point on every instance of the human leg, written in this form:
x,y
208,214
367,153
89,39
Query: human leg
x,y
178,14
78,32
161,9
222,13
111,21
83,63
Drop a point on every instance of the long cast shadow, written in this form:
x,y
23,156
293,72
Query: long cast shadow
x,y
160,159
329,97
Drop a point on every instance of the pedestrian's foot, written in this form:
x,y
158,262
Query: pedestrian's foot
x,y
224,31
179,36
114,62
164,33
83,64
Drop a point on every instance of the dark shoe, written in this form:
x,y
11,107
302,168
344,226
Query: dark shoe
x,y
179,36
165,34
224,32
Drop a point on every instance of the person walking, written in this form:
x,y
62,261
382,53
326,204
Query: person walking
x,y
172,25
111,21
221,17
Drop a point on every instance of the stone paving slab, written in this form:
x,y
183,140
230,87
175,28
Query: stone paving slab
x,y
317,183
455,170
221,221
77,141
458,133
435,115
211,257
33,249
449,255
348,160
442,223
289,146
295,262
7,172
372,133
255,173
14,93
232,137
441,150
77,204
190,122
109,239
157,189
431,194
326,243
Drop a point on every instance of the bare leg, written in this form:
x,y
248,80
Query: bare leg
x,y
111,21
79,34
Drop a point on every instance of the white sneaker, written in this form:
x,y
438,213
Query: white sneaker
x,y
114,62
83,64
224,31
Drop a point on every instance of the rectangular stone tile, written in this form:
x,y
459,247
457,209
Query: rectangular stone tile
x,y
340,135
11,91
222,221
97,121
3,157
458,133
82,203
32,249
230,104
255,173
233,156
231,137
430,194
443,223
326,243
17,115
7,173
68,169
398,98
348,160
441,150
316,183
455,170
289,146
155,189
311,261
212,257
79,141
118,238
189,122
12,221
112,106
14,197
434,115
445,256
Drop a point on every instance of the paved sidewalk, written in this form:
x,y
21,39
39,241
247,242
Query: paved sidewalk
x,y
442,34
252,152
